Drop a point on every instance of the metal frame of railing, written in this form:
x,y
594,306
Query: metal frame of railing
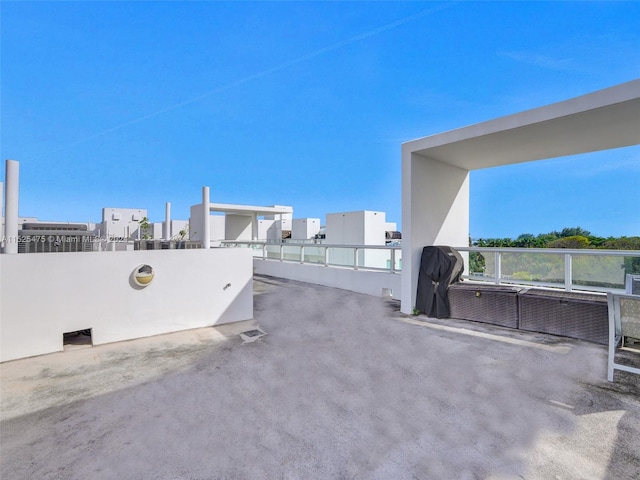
x,y
568,256
394,260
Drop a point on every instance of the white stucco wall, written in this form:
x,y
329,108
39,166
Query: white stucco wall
x,y
177,226
285,223
304,228
264,228
363,227
360,281
121,222
271,226
45,295
157,232
356,228
285,217
435,211
216,225
238,227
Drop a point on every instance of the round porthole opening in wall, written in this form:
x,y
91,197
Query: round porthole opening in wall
x,y
143,275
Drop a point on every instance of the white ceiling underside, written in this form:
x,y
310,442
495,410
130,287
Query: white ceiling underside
x,y
602,120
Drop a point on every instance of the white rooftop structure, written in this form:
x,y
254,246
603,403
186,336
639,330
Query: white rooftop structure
x,y
435,169
248,209
240,220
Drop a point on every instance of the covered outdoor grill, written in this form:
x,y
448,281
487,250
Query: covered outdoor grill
x,y
439,267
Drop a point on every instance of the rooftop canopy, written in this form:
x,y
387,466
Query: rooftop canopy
x,y
435,169
601,120
248,209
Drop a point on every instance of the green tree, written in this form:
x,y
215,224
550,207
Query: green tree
x,y
622,243
543,240
574,232
525,240
574,241
145,228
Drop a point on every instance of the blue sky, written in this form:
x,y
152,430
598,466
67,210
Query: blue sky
x,y
133,104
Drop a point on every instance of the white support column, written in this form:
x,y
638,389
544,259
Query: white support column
x,y
167,221
435,211
206,218
12,192
254,227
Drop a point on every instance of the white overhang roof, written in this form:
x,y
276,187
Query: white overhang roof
x,y
248,209
601,120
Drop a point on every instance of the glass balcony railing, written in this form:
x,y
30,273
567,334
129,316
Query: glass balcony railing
x,y
359,257
593,270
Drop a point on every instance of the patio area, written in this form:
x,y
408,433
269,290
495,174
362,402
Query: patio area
x,y
343,386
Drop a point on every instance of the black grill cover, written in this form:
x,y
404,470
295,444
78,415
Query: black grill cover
x,y
439,268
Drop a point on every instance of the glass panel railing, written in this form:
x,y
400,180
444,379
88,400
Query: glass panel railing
x,y
341,256
603,271
314,254
547,268
398,260
291,253
475,265
569,269
482,266
376,259
370,258
273,251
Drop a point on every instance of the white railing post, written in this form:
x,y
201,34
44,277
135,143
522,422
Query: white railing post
x,y
281,252
355,258
568,274
393,260
326,256
498,265
301,253
264,251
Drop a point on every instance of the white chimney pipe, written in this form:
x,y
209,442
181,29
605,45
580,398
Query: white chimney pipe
x,y
167,221
12,194
206,219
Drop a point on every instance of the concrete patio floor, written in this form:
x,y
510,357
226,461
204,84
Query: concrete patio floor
x,y
343,386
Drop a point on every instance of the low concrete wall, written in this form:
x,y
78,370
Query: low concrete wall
x,y
360,281
45,295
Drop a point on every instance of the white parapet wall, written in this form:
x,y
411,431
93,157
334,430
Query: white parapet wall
x,y
360,281
42,296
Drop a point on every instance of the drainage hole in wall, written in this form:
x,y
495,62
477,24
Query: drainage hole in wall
x,y
77,339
